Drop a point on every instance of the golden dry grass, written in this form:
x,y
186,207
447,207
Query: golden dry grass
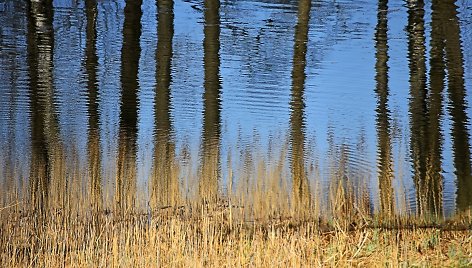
x,y
217,237
256,223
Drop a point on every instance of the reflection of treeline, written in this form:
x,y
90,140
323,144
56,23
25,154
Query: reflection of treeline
x,y
427,97
426,106
426,102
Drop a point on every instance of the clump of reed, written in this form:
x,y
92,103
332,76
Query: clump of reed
x,y
263,214
181,237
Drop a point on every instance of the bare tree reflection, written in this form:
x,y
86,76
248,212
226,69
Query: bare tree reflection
x,y
383,112
210,173
125,193
91,65
46,175
164,187
457,105
425,110
301,195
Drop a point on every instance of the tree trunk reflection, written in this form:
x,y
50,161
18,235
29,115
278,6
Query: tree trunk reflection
x,y
165,185
301,195
457,103
47,182
383,112
125,193
91,65
425,109
210,171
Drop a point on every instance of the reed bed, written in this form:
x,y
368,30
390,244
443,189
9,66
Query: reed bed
x,y
258,220
211,238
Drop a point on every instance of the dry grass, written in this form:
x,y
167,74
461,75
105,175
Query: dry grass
x,y
256,222
210,238
220,235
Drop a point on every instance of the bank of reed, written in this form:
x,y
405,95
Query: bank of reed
x,y
258,219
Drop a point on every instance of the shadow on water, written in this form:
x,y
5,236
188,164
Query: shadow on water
x,y
125,193
165,184
91,66
210,162
301,196
385,175
46,174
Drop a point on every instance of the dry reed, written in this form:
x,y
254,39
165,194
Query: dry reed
x,y
254,223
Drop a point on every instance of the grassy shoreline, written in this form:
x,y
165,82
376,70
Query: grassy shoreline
x,y
270,216
215,236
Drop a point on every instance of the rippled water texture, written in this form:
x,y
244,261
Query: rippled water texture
x,y
138,97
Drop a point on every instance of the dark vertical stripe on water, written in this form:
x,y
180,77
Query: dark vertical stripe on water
x,y
431,186
211,103
39,177
91,66
425,110
301,195
384,147
457,105
164,185
125,193
44,125
418,91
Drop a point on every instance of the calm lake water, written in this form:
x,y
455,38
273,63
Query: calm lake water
x,y
129,94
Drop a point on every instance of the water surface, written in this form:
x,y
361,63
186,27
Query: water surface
x,y
136,97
